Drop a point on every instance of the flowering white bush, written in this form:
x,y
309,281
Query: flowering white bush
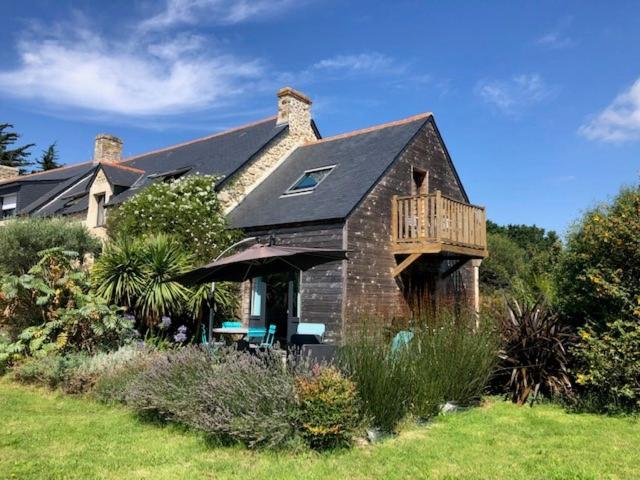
x,y
187,208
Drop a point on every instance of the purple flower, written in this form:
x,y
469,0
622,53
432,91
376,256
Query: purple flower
x,y
165,322
181,336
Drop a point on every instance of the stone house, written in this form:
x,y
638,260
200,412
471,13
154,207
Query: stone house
x,y
389,195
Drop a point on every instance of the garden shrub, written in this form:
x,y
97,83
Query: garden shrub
x,y
87,374
534,356
450,362
608,368
166,389
329,411
54,299
51,371
169,209
231,396
251,400
22,239
113,384
599,278
447,359
383,380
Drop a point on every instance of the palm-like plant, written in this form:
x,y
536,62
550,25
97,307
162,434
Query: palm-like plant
x,y
139,275
164,259
118,275
534,356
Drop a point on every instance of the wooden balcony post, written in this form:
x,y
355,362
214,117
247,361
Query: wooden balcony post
x,y
438,215
394,218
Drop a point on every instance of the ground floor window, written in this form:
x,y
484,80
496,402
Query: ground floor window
x,y
8,204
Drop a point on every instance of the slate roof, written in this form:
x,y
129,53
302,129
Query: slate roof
x,y
221,154
36,189
121,175
360,158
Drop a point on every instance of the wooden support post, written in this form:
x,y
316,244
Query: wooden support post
x,y
394,218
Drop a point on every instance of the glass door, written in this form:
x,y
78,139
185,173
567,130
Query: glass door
x,y
258,302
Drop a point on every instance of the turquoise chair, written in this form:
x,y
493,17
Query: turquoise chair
x,y
268,340
256,335
401,340
316,329
230,324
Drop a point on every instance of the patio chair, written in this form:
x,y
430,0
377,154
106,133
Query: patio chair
x,y
231,324
268,339
256,335
401,340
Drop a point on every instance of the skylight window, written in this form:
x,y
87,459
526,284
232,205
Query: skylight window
x,y
309,180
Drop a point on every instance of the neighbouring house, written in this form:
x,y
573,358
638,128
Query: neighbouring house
x,y
389,195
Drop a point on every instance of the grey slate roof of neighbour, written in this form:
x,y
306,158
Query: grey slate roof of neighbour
x,y
68,192
360,159
123,177
36,189
220,154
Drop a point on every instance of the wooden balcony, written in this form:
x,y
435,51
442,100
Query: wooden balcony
x,y
435,224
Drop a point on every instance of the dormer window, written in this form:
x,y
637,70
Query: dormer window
x,y
8,205
309,180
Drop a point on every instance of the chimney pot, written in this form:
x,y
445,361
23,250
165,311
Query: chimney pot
x,y
108,148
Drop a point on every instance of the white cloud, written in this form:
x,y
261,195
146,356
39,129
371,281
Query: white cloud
x,y
133,77
372,62
555,40
514,95
619,122
219,12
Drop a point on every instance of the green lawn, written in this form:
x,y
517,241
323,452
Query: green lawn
x,y
49,436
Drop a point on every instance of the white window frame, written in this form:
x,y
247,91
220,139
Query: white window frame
x,y
5,206
298,191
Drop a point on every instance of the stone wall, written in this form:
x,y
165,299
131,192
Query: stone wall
x,y
99,186
294,109
7,172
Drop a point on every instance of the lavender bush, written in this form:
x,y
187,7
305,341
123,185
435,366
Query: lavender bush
x,y
231,396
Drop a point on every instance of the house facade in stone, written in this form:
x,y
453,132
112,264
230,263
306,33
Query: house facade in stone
x,y
388,194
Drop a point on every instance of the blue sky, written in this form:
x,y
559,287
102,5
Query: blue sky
x,y
538,102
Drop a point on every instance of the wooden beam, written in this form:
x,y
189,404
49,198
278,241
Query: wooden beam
x,y
405,263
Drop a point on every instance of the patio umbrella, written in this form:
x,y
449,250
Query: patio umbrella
x,y
259,260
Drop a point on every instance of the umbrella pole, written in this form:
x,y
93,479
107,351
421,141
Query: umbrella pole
x,y
212,309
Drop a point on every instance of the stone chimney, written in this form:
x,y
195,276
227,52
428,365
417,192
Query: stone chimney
x,y
108,148
294,108
7,173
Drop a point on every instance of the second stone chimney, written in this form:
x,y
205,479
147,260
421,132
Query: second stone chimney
x,y
108,148
7,173
294,108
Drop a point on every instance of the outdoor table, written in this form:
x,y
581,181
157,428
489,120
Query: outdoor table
x,y
235,334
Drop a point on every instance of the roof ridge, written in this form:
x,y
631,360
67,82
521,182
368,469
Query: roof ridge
x,y
123,167
29,175
201,139
373,128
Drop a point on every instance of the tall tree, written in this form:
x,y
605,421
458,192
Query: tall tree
x,y
49,159
13,157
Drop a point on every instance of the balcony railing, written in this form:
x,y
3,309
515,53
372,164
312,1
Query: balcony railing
x,y
434,223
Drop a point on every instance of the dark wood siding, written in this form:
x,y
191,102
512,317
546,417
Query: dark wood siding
x,y
321,287
370,288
